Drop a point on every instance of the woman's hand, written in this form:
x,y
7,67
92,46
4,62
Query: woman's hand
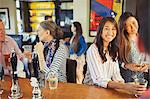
x,y
39,47
137,67
135,89
28,55
144,67
132,66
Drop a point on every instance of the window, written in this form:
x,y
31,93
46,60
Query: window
x,y
18,15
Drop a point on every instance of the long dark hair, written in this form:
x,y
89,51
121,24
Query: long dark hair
x,y
124,46
113,45
75,41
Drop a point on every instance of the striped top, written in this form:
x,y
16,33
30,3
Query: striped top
x,y
58,65
99,73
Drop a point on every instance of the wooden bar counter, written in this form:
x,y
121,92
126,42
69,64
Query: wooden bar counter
x,y
65,91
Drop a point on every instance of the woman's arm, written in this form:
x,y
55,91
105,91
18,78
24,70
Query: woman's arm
x,y
136,67
39,47
83,46
135,89
116,74
59,59
100,78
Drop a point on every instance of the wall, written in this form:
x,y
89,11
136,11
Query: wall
x,y
81,14
130,6
12,14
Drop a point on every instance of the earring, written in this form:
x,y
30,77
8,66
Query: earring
x,y
110,45
48,32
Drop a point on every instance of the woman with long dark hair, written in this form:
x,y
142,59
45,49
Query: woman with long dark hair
x,y
129,54
77,49
102,59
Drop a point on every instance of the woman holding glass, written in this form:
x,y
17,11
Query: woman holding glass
x,y
53,54
102,64
131,60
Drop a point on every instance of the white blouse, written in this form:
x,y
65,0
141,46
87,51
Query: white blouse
x,y
99,73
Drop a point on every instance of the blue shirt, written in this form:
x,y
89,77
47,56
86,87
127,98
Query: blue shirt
x,y
82,46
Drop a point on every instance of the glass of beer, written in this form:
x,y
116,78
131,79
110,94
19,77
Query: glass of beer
x,y
7,59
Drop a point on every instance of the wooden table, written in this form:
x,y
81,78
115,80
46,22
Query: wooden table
x,y
66,91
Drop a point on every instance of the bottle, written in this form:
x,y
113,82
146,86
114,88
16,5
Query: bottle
x,y
36,70
15,89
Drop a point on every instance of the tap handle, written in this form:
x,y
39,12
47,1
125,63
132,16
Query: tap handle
x,y
1,72
13,61
35,64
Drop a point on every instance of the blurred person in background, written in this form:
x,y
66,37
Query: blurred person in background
x,y
6,45
48,17
78,47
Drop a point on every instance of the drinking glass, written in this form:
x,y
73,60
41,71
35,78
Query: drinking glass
x,y
53,81
140,81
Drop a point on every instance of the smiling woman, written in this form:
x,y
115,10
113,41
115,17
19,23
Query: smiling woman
x,y
102,54
109,33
